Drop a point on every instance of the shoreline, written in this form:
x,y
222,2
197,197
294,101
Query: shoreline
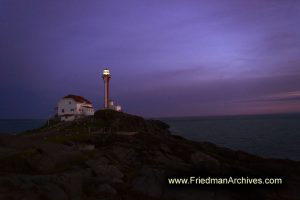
x,y
230,143
129,160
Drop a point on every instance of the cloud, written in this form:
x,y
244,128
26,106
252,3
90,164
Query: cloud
x,y
280,97
216,97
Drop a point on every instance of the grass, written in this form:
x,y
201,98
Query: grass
x,y
74,137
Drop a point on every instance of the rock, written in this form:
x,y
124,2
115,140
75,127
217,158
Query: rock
x,y
42,186
106,188
130,161
127,133
53,157
149,181
169,161
165,149
110,173
86,147
6,152
52,191
125,155
205,161
100,160
159,124
188,194
72,182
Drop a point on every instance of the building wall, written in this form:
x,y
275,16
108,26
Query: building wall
x,y
78,108
67,107
88,111
67,118
70,107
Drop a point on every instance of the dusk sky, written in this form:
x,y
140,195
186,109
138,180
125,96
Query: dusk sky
x,y
167,58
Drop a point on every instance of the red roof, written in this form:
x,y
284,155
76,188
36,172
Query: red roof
x,y
78,99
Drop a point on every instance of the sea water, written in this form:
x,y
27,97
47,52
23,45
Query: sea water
x,y
271,136
20,125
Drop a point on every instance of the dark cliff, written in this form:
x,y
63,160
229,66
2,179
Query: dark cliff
x,y
120,156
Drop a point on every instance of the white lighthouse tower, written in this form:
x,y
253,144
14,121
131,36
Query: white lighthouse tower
x,y
106,77
108,103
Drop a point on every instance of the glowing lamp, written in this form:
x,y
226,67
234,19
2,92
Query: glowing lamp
x,y
106,72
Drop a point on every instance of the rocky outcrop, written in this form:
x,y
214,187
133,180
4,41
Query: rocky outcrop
x,y
130,158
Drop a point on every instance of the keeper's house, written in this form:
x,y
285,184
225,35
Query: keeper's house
x,y
73,107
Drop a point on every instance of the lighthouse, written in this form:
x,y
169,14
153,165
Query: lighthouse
x,y
108,103
106,77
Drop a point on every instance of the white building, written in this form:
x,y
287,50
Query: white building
x,y
73,107
114,107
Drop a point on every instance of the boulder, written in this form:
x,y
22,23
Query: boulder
x,y
206,162
110,173
149,182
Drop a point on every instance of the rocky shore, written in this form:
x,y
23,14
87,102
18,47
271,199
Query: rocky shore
x,y
115,155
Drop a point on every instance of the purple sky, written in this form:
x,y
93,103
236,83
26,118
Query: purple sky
x,y
167,58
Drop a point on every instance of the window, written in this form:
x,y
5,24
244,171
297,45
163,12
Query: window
x,y
70,102
71,109
62,110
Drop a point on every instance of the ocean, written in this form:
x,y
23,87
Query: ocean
x,y
270,136
20,125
